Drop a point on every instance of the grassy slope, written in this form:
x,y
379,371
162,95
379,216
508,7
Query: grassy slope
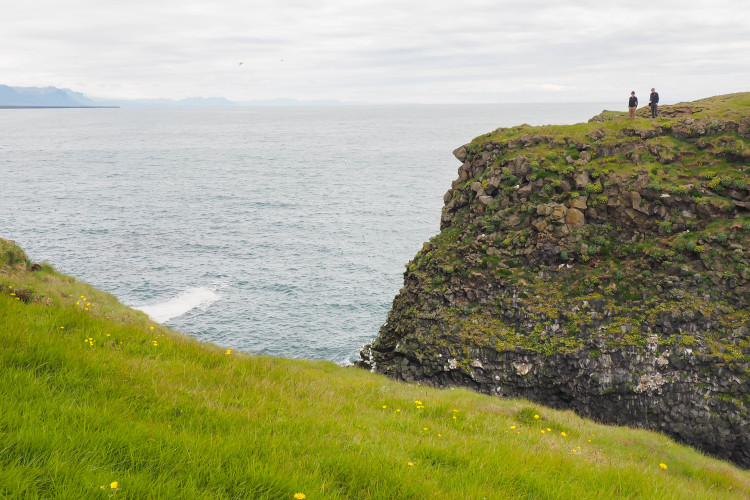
x,y
91,393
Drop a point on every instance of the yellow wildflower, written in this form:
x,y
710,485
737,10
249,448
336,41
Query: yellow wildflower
x,y
229,351
300,496
536,417
563,434
411,464
114,485
663,466
512,427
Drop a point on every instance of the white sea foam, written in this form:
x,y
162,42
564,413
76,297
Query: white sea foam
x,y
186,301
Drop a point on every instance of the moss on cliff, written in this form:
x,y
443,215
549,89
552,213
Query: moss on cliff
x,y
614,237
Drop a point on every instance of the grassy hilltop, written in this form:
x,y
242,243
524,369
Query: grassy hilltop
x,y
96,401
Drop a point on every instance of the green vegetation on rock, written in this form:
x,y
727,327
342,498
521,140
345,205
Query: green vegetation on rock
x,y
617,237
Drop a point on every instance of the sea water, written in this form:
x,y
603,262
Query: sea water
x,y
281,231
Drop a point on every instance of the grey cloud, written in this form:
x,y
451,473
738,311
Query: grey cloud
x,y
374,49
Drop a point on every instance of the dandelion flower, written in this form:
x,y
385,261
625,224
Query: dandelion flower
x,y
440,435
411,464
589,440
300,496
663,466
229,351
385,406
549,430
114,485
563,434
512,427
424,428
418,403
454,417
152,328
542,431
536,417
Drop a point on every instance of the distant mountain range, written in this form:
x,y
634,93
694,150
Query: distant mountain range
x,y
43,96
55,97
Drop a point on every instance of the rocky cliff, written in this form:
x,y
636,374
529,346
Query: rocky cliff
x,y
602,267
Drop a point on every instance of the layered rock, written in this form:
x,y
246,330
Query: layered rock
x,y
602,267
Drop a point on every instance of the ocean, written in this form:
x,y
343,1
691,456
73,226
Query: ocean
x,y
281,231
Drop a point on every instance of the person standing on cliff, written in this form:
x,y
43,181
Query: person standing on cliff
x,y
654,103
632,105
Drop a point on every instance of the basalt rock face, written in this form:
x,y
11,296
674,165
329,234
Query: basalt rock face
x,y
602,267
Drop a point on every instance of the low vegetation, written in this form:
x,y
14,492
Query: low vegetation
x,y
96,401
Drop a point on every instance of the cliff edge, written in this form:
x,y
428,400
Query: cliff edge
x,y
602,267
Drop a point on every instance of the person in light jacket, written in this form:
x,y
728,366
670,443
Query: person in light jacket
x,y
632,105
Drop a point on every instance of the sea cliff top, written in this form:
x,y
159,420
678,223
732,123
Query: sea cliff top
x,y
602,266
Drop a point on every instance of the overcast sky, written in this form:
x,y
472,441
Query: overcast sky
x,y
379,50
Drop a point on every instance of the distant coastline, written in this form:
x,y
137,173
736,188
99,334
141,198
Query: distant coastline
x,y
10,106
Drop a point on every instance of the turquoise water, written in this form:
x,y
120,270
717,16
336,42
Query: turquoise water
x,y
281,231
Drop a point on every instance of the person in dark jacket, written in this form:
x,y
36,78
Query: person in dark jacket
x,y
654,103
632,105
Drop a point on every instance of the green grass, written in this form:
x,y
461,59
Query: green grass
x,y
90,394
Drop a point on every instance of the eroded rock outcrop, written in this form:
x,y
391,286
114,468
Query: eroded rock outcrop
x,y
602,267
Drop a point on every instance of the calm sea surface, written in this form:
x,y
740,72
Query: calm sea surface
x,y
281,231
